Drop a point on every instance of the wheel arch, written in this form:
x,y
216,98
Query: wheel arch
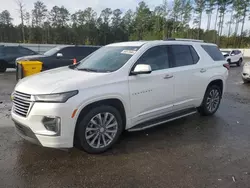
x,y
115,102
217,81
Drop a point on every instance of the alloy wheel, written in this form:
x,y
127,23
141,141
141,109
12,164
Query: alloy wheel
x,y
101,130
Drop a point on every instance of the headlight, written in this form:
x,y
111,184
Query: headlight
x,y
56,98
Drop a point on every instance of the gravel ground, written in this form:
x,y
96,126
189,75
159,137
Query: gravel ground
x,y
191,152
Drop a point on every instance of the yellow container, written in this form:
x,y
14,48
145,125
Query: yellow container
x,y
30,67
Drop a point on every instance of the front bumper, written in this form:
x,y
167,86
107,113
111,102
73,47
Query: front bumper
x,y
245,76
26,133
246,73
32,128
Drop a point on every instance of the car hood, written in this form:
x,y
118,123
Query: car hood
x,y
30,57
59,80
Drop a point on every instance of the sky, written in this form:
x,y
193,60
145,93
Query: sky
x,y
97,5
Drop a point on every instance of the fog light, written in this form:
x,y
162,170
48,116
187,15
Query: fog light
x,y
52,124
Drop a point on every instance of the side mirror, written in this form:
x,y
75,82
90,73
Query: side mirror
x,y
141,69
59,55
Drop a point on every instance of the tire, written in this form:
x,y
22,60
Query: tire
x,y
245,81
99,132
239,62
204,109
3,66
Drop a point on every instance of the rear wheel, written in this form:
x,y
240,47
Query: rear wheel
x,y
99,129
211,101
3,66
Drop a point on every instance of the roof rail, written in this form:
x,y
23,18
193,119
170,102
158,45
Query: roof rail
x,y
182,39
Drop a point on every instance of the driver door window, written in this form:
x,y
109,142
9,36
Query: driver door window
x,y
156,57
67,52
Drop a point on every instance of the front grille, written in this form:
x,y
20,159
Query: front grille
x,y
21,103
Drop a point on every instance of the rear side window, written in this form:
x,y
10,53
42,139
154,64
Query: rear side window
x,y
1,51
25,51
213,52
184,55
10,50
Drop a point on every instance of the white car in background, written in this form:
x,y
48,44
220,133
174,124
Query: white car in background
x,y
246,72
233,57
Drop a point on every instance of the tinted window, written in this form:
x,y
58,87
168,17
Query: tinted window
x,y
194,55
52,51
10,50
25,51
1,50
156,57
67,52
182,55
213,52
84,51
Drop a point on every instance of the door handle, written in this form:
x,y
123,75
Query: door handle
x,y
168,76
203,70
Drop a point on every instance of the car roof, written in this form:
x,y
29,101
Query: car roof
x,y
140,43
65,46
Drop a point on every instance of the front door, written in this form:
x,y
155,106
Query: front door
x,y
66,58
152,94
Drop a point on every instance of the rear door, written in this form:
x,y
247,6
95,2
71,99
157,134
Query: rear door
x,y
187,74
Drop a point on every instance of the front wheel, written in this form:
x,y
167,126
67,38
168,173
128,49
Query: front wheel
x,y
211,101
245,81
99,129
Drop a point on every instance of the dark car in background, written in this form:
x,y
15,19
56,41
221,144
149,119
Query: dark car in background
x,y
60,56
9,54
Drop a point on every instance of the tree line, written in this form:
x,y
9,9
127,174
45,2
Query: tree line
x,y
182,19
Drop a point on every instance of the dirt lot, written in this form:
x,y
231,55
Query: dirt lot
x,y
191,152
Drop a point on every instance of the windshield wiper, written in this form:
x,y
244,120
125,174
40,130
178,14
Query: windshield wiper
x,y
87,69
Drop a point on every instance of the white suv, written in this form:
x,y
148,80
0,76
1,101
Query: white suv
x,y
233,57
123,86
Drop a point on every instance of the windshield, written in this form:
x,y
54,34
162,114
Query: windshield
x,y
107,59
52,51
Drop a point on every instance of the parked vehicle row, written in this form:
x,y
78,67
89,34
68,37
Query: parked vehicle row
x,y
11,56
122,86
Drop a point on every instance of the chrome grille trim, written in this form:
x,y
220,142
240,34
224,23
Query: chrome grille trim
x,y
21,103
